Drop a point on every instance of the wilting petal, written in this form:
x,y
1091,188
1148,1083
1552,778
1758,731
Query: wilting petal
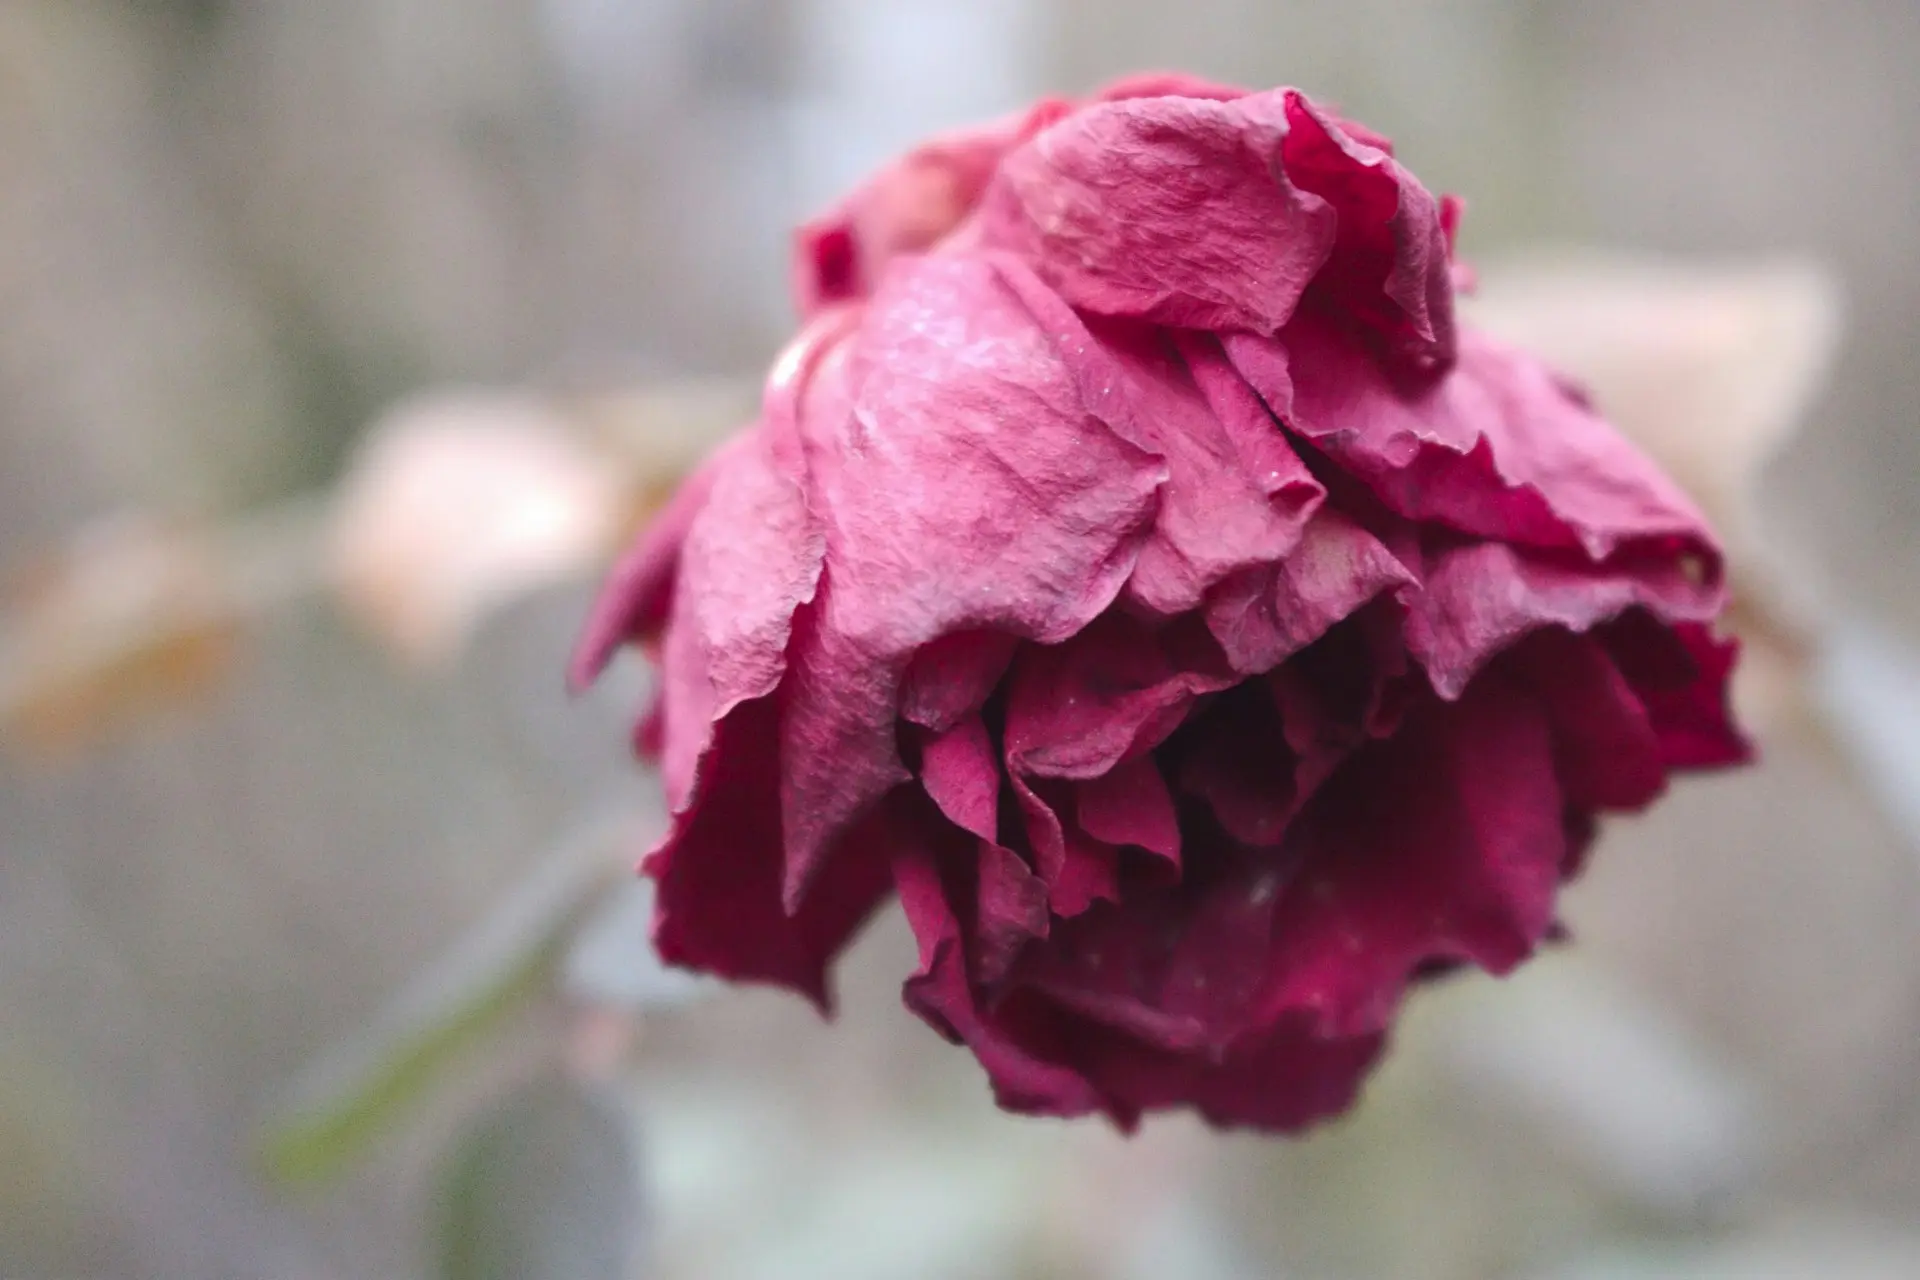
x,y
908,207
719,907
1263,616
1682,676
637,597
942,995
1461,863
1388,271
1130,805
1173,210
1236,494
1605,750
961,775
1113,692
1480,598
1180,968
1499,449
1282,1080
953,675
969,488
1077,869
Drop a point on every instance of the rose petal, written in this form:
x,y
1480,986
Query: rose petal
x,y
1263,616
1109,694
952,676
1130,805
1077,869
908,207
1480,598
1682,675
1236,494
1605,750
961,776
637,597
1174,210
1388,270
939,991
1498,449
718,869
1462,863
1282,1081
968,489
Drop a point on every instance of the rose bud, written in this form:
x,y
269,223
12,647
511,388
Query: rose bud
x,y
1135,572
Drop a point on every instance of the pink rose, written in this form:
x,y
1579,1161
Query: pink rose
x,y
1135,571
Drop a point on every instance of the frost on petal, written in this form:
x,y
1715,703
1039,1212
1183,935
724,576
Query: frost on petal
x,y
1461,864
967,488
1497,449
719,907
1173,210
1480,598
907,207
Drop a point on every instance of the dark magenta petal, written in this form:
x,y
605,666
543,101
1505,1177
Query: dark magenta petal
x,y
1389,269
1111,693
1682,675
1077,869
961,774
718,869
1172,210
1480,598
1282,1081
1605,749
1460,863
1130,805
952,676
942,994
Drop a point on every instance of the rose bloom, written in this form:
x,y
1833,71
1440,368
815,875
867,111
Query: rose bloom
x,y
1135,571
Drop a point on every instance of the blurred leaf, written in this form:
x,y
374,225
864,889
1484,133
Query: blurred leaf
x,y
367,1086
544,1187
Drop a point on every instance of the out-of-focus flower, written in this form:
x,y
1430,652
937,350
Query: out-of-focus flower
x,y
461,501
132,615
1134,568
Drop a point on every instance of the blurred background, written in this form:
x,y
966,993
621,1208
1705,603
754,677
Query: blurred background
x,y
340,345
